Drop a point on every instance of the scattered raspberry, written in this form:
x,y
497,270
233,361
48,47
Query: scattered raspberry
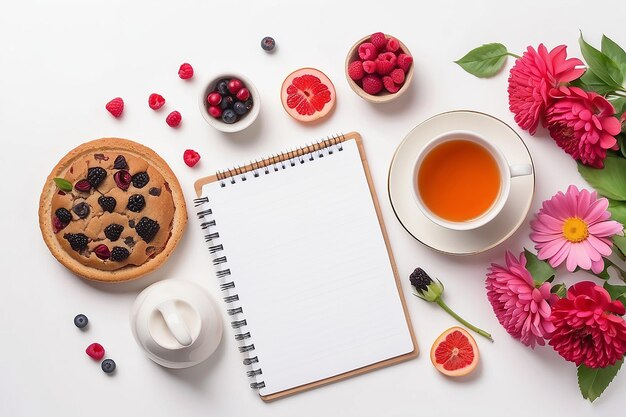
x,y
191,157
95,351
397,75
355,70
186,71
390,85
393,44
372,84
115,106
369,67
156,101
367,51
173,119
404,62
379,40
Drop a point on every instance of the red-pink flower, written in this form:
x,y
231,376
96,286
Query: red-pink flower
x,y
589,329
583,124
575,228
532,79
523,310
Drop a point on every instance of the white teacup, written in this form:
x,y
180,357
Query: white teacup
x,y
506,173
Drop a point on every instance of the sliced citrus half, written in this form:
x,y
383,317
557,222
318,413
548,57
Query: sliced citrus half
x,y
454,353
307,95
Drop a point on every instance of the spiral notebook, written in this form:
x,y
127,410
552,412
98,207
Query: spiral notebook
x,y
305,267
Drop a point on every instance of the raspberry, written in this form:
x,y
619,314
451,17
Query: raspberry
x,y
115,106
102,252
404,62
390,85
147,228
191,157
372,84
185,71
173,119
95,351
355,70
384,67
120,162
367,51
119,253
156,101
95,176
57,225
140,179
63,215
77,241
136,203
393,44
113,231
379,40
107,203
397,75
122,179
369,67
82,185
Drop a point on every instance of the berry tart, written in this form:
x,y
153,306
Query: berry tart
x,y
112,210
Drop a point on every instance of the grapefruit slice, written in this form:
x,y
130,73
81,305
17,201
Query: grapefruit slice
x,y
307,95
454,353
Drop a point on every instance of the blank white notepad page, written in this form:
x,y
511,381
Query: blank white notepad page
x,y
311,269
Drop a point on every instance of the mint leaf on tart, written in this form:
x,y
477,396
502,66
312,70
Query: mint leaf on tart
x,y
63,184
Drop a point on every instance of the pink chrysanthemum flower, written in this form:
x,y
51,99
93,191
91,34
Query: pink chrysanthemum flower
x,y
574,228
533,77
523,310
588,326
583,124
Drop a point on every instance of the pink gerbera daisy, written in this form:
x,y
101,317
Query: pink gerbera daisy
x,y
574,228
533,77
521,308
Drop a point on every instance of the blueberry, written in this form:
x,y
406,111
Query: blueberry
x,y
81,210
81,321
108,365
249,104
229,116
227,102
240,108
222,87
268,43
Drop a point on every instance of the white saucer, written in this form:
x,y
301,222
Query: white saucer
x,y
402,194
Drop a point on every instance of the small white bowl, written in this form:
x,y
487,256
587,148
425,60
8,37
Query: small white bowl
x,y
246,120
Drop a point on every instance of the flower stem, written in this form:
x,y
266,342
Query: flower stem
x,y
513,55
481,332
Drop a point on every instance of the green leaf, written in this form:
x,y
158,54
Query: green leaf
x,y
621,141
601,65
620,105
609,181
617,292
620,244
541,271
591,82
559,289
484,61
618,210
615,52
63,184
593,381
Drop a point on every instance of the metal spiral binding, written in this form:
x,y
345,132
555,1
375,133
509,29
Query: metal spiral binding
x,y
255,169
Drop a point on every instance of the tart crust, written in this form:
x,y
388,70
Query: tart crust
x,y
130,271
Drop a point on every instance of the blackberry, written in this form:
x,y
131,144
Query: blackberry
x,y
119,253
64,215
147,229
136,203
78,241
82,210
120,163
113,231
107,203
95,176
154,191
140,179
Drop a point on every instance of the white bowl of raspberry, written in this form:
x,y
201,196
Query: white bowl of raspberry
x,y
229,102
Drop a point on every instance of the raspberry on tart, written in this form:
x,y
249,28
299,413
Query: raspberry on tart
x,y
94,231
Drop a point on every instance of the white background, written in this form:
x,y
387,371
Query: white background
x,y
61,61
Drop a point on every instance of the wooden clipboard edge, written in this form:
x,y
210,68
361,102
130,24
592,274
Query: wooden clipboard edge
x,y
410,355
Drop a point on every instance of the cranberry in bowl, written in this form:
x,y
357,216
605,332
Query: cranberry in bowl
x,y
230,102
